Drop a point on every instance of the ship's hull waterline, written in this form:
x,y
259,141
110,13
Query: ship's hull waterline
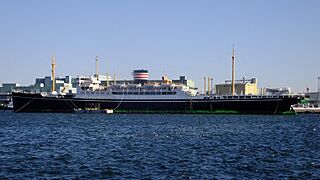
x,y
24,102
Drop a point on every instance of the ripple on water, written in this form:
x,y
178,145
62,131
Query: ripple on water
x,y
86,146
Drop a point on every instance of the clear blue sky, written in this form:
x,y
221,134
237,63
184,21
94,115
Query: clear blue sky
x,y
276,41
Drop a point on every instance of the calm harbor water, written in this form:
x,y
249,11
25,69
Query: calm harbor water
x,y
133,146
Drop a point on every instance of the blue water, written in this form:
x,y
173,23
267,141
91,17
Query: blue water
x,y
120,146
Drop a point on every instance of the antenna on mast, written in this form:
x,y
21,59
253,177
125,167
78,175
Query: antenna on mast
x,y
233,72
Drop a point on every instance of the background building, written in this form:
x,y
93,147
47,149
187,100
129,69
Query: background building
x,y
8,87
314,97
242,87
276,91
63,84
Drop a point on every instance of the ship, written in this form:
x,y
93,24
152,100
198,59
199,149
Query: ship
x,y
306,109
174,101
143,96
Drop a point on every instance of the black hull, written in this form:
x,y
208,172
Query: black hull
x,y
23,102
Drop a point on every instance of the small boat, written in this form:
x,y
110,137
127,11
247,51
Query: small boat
x,y
109,111
306,108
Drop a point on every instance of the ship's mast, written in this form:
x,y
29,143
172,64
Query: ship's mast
x,y
107,79
204,86
209,87
318,84
233,72
211,84
53,66
97,61
319,89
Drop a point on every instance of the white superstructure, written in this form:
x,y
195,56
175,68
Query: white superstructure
x,y
91,88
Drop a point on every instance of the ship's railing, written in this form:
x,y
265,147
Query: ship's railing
x,y
250,97
144,93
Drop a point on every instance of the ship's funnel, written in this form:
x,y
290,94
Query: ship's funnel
x,y
140,76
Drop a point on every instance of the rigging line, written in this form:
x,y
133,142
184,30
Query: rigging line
x,y
74,105
275,112
191,105
26,104
120,100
